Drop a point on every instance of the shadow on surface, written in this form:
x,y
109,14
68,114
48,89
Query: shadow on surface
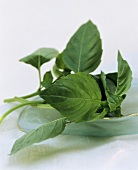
x,y
54,148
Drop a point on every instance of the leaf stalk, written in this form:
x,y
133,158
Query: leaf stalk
x,y
32,103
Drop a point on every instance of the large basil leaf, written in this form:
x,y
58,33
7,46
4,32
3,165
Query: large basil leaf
x,y
49,130
84,50
40,57
74,96
124,77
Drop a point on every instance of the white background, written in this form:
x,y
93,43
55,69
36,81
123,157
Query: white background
x,y
25,26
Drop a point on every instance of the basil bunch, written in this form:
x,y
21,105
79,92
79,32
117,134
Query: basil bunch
x,y
78,95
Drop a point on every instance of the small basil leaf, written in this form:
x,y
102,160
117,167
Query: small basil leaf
x,y
101,115
108,84
112,77
111,81
124,77
59,61
47,79
103,79
49,130
111,87
74,96
40,57
113,100
115,113
84,50
100,84
59,73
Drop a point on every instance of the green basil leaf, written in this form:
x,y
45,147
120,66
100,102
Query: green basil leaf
x,y
111,80
40,57
100,84
124,77
59,73
115,113
59,61
49,130
108,82
113,100
47,79
74,96
84,50
56,71
103,79
111,87
112,77
60,69
101,115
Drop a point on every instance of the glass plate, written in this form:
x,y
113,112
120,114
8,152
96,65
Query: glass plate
x,y
32,117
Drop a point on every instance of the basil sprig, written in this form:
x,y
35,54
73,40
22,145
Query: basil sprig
x,y
76,93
